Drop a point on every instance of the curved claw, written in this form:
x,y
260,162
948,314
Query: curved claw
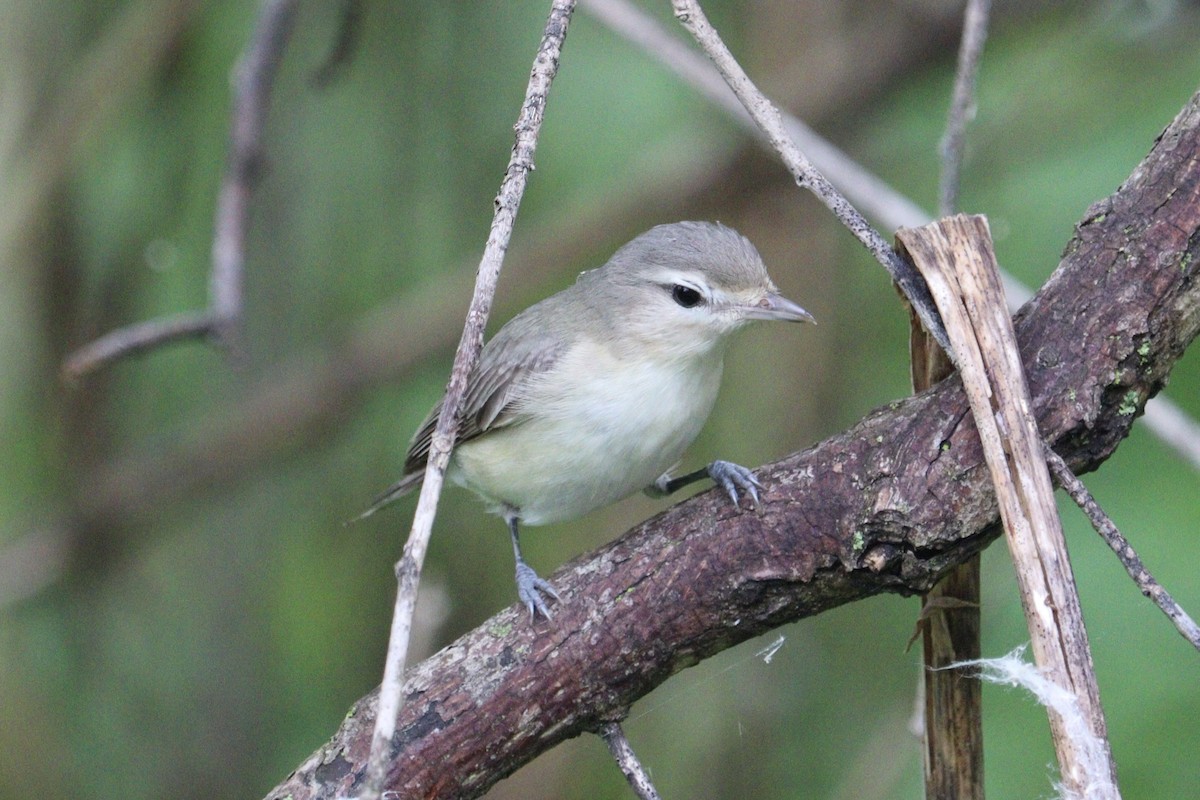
x,y
732,477
530,588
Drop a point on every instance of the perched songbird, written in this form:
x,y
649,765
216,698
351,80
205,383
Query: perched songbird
x,y
594,393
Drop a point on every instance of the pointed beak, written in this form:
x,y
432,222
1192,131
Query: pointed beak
x,y
777,307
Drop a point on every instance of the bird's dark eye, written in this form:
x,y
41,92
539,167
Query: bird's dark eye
x,y
685,296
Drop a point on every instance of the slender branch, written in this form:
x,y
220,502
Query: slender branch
x,y
408,570
962,103
254,76
134,339
807,176
863,188
1108,531
627,760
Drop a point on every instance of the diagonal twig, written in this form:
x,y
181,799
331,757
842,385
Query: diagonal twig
x,y
1108,531
135,339
408,569
962,103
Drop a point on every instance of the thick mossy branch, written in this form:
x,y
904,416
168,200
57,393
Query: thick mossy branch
x,y
886,506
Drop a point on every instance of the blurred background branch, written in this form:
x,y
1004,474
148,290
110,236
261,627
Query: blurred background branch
x,y
962,104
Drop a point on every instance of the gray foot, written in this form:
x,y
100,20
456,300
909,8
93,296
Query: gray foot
x,y
531,588
732,477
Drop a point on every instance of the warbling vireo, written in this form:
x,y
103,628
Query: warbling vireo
x,y
594,393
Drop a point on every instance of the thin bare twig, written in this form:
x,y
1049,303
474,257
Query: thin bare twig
x,y
767,116
627,760
962,103
408,569
1108,531
863,188
254,76
134,339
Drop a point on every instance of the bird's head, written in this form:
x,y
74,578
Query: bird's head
x,y
681,289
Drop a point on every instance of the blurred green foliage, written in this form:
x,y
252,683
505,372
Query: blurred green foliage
x,y
203,641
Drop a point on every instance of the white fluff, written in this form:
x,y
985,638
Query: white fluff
x,y
1013,670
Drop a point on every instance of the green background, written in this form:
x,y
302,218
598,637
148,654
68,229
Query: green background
x,y
183,613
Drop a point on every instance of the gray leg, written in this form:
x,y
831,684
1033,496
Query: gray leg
x,y
530,587
729,476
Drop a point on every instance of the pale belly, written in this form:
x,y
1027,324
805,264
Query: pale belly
x,y
614,435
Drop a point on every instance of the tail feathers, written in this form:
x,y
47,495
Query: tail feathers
x,y
391,494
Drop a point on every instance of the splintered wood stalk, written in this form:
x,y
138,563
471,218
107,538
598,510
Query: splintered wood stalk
x,y
955,255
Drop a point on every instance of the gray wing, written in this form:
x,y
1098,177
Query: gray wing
x,y
492,391
493,388
519,351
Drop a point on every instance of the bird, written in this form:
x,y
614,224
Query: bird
x,y
595,392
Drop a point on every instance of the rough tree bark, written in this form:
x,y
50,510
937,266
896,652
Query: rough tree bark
x,y
887,506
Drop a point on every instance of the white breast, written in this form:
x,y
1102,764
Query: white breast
x,y
601,429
